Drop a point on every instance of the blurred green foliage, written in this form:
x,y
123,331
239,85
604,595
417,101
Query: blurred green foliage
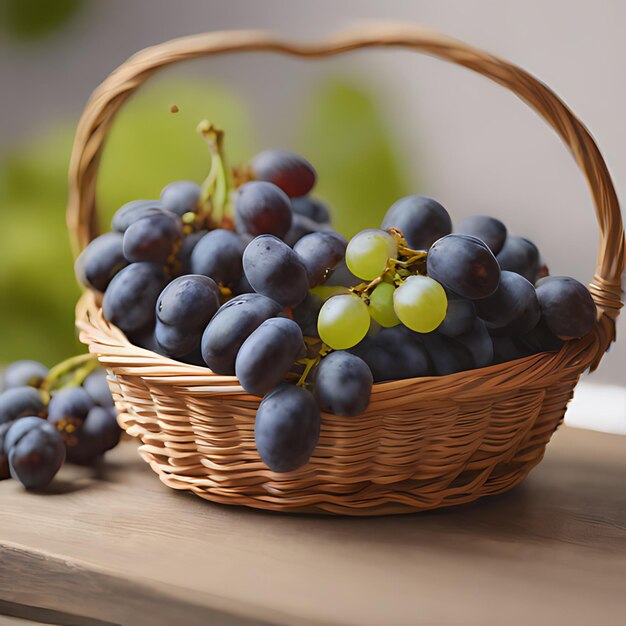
x,y
342,133
31,19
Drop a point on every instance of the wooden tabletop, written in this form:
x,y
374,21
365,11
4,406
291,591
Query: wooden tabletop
x,y
114,545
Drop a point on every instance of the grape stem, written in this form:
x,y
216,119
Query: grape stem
x,y
215,201
69,373
311,362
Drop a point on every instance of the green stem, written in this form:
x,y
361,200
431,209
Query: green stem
x,y
72,372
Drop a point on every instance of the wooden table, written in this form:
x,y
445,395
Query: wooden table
x,y
113,545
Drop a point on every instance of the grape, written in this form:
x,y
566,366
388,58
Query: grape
x,y
306,313
289,171
311,208
187,248
262,209
488,229
320,253
369,252
131,297
343,384
181,197
521,256
275,270
566,306
132,211
35,450
233,323
302,226
394,354
508,349
422,221
4,459
460,317
512,309
268,354
19,402
343,321
342,276
97,388
420,303
144,338
24,374
176,341
381,305
540,339
153,238
447,355
479,344
218,256
287,428
68,408
464,265
328,291
189,301
242,286
100,261
99,433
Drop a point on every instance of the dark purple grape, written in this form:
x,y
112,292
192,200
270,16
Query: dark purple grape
x,y
231,326
242,286
218,256
190,301
311,208
20,402
507,349
275,270
343,384
521,256
540,339
460,317
100,261
268,354
422,221
24,374
35,450
130,299
464,265
289,171
302,226
447,355
4,458
342,277
153,238
181,197
144,338
488,229
99,433
512,309
186,249
394,354
176,341
566,306
262,209
306,313
287,428
97,388
68,410
321,253
132,211
479,343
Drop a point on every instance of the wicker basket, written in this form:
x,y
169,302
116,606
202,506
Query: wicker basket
x,y
423,443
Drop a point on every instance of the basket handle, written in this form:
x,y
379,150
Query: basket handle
x,y
109,97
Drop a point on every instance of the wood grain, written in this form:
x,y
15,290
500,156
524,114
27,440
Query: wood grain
x,y
114,544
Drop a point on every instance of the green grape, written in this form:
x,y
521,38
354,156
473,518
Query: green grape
x,y
328,291
420,303
381,305
369,251
343,321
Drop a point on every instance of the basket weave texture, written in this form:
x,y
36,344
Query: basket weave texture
x,y
422,443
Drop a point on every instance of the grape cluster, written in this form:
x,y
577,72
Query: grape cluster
x,y
245,274
48,416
